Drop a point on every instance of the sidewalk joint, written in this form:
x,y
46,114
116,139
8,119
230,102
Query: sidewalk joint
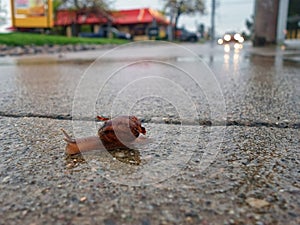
x,y
227,123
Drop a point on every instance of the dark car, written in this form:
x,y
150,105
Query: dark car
x,y
99,34
103,32
121,35
185,35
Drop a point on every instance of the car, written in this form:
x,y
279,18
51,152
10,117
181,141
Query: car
x,y
99,34
121,35
231,37
185,35
103,32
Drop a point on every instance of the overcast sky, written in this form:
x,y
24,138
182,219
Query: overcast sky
x,y
230,14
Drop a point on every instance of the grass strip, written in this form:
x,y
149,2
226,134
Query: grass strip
x,y
22,39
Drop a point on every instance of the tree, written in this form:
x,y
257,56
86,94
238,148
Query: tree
x,y
249,24
85,7
180,7
99,6
78,4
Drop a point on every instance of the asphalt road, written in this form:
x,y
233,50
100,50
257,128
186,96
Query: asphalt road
x,y
224,131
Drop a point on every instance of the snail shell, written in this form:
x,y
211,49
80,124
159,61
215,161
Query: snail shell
x,y
119,132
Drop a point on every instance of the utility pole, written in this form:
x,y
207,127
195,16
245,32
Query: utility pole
x,y
170,26
212,31
281,20
170,29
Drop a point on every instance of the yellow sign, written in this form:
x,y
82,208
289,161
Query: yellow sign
x,y
32,13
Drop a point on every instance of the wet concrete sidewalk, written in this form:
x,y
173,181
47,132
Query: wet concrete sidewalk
x,y
237,167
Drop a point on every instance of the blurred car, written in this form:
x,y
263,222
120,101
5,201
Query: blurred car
x,y
103,32
120,35
185,35
231,37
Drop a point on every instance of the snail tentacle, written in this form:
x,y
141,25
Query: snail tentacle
x,y
101,118
68,138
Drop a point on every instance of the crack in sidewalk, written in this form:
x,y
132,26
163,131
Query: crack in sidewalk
x,y
241,123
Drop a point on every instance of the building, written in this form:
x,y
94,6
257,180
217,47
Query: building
x,y
72,20
293,20
276,20
140,23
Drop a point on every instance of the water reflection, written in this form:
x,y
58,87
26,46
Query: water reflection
x,y
227,48
39,88
237,47
232,56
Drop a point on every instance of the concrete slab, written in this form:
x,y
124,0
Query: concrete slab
x,y
253,178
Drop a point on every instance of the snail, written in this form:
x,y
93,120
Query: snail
x,y
119,132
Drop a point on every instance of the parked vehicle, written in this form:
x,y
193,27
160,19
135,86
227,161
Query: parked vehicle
x,y
185,35
103,32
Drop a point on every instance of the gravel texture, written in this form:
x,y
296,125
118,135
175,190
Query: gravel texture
x,y
6,50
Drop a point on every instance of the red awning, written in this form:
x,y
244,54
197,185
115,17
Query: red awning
x,y
122,17
91,19
64,17
67,17
134,16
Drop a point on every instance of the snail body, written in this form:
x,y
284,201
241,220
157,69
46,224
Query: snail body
x,y
119,132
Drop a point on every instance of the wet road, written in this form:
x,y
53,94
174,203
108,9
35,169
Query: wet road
x,y
255,88
224,124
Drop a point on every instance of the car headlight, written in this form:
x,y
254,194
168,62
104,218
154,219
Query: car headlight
x,y
237,36
220,41
227,37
